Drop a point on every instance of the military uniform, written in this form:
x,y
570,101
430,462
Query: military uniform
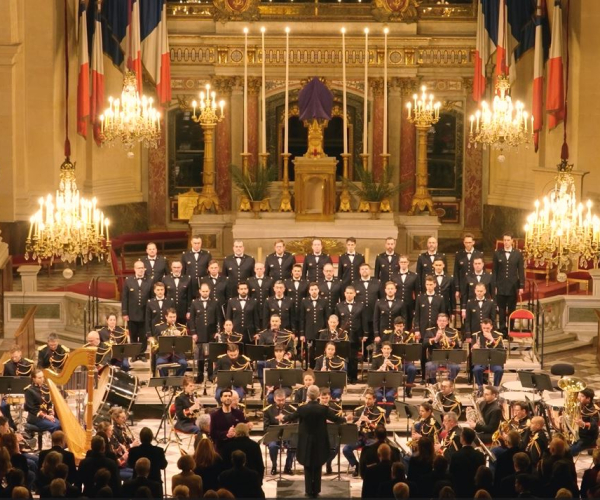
x,y
52,359
38,405
334,364
156,268
427,308
296,290
186,419
355,321
497,370
339,334
102,354
468,283
270,414
117,336
348,268
277,337
179,288
134,298
225,363
535,444
375,416
463,265
156,309
451,341
407,290
451,442
429,427
509,273
449,402
313,318
230,338
273,364
166,330
245,316
425,266
22,368
236,270
195,264
284,308
218,289
331,291
394,337
367,293
385,312
312,268
279,268
386,266
387,395
476,312
588,434
205,317
444,286
260,289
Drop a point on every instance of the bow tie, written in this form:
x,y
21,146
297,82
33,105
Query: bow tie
x,y
151,259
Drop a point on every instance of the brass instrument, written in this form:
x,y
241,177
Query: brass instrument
x,y
434,395
170,331
474,412
572,411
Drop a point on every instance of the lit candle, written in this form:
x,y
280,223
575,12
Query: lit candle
x,y
287,83
472,119
245,90
385,87
106,224
366,93
31,220
345,127
408,109
264,99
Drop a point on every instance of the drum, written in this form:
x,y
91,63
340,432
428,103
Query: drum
x,y
515,385
557,404
115,388
15,399
513,396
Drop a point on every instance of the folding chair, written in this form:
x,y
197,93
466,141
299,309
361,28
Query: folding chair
x,y
175,435
526,328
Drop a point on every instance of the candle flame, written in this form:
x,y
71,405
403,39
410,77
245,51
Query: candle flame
x,y
287,29
245,31
386,30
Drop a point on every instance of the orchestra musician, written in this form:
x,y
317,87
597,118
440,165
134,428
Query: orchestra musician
x,y
329,361
383,362
427,425
187,408
270,417
231,360
312,317
237,405
450,435
157,306
121,431
205,316
120,453
224,420
53,355
279,362
534,440
103,349
400,336
333,332
386,310
169,328
587,422
491,415
227,335
447,399
276,335
325,400
367,417
520,417
487,339
15,366
39,408
301,394
115,335
441,336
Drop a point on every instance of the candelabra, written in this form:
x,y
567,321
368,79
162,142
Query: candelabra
x,y
208,119
68,227
423,112
131,118
504,124
561,228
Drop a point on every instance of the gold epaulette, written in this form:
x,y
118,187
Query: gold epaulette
x,y
388,332
29,360
321,356
42,347
431,328
359,407
370,466
381,410
497,332
262,331
65,348
323,330
397,357
27,387
181,325
246,357
161,323
221,355
266,408
288,331
270,359
7,361
293,407
377,356
476,333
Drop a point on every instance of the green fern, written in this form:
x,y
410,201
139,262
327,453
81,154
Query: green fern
x,y
255,185
370,189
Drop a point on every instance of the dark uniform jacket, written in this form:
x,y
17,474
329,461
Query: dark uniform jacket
x,y
492,416
354,321
37,400
181,294
22,368
376,416
379,360
116,336
331,293
425,266
270,414
312,269
385,313
246,320
272,337
407,290
426,312
392,337
446,290
285,311
312,317
182,402
452,336
225,363
103,353
467,292
236,273
475,313
385,267
368,296
260,289
279,271
135,297
157,271
52,359
451,443
509,273
590,415
348,271
205,319
194,267
296,294
334,364
463,265
155,313
218,289
335,336
534,444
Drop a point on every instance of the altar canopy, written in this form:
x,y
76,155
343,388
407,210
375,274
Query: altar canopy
x,y
315,101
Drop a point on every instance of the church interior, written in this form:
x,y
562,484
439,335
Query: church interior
x,y
427,125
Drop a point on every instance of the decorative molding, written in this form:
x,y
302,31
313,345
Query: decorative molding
x,y
395,10
407,86
236,10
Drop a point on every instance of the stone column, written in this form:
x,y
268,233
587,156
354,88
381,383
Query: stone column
x,y
29,274
157,183
394,125
254,87
236,114
223,86
472,176
408,145
377,142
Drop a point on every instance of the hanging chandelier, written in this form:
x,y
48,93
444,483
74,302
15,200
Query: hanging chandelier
x,y
503,125
561,228
131,119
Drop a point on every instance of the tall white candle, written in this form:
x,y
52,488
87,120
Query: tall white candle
x,y
385,90
245,90
366,93
287,84
264,90
345,128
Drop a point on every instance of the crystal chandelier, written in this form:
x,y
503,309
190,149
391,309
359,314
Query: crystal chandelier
x,y
70,227
560,228
504,124
131,118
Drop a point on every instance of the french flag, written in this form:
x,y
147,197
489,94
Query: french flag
x,y
555,97
540,56
83,82
501,45
133,43
155,46
97,100
485,43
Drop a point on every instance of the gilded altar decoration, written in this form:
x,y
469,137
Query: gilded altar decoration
x,y
315,138
396,10
236,10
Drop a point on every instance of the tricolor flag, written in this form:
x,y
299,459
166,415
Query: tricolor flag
x,y
540,56
115,14
487,25
97,100
155,46
501,45
555,97
133,47
83,83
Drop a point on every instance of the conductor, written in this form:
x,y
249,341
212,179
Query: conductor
x,y
313,442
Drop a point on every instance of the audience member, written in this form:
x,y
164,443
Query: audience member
x,y
58,445
484,480
93,462
590,476
401,490
187,477
439,477
421,463
181,491
378,472
241,481
142,470
146,449
209,464
251,448
47,470
464,465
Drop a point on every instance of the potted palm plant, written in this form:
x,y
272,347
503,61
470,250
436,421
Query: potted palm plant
x,y
255,185
371,190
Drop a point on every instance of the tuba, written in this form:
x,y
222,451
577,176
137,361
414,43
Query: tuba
x,y
572,412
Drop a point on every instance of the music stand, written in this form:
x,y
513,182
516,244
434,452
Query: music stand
x,y
282,377
175,344
342,347
447,356
408,352
260,352
540,382
165,383
345,434
14,385
407,411
385,379
233,378
122,351
215,350
333,380
274,433
488,357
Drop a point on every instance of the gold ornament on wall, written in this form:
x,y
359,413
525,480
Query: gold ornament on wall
x,y
236,10
396,10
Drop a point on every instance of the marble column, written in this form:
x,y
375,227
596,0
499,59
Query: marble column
x,y
377,142
394,125
473,173
157,183
254,87
237,119
408,145
223,86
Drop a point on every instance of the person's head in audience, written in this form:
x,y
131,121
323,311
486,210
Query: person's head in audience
x,y
521,462
61,471
482,494
104,492
380,434
467,436
58,439
223,493
51,462
513,439
104,435
425,449
398,471
447,492
204,422
4,427
242,430
58,488
484,478
143,492
563,493
142,467
558,447
211,494
98,444
238,459
401,490
146,436
9,441
205,455
102,478
596,456
440,464
185,463
384,452
15,477
524,483
181,491
20,492
5,463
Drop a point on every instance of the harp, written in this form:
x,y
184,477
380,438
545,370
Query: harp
x,y
78,439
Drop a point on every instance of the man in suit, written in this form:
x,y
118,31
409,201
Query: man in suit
x,y
217,283
237,267
349,263
243,311
179,288
463,263
378,472
464,465
260,288
146,449
240,480
386,263
155,266
353,318
313,318
93,462
205,318
509,273
330,288
278,265
224,420
195,261
386,310
521,464
426,259
282,306
368,455
251,448
407,289
444,285
156,308
368,291
314,262
313,446
142,470
477,310
296,288
58,445
478,275
134,298
491,412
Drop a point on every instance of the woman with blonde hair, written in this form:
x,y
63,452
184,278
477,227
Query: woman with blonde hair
x,y
209,464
